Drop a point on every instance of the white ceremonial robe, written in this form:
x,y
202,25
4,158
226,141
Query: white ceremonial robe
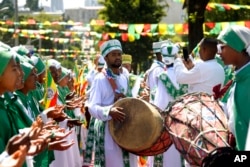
x,y
172,157
151,81
202,77
100,101
70,157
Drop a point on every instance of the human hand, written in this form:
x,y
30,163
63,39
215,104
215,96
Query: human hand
x,y
188,63
60,145
117,114
73,122
16,159
56,113
23,139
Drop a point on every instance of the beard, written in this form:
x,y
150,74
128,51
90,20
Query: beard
x,y
116,65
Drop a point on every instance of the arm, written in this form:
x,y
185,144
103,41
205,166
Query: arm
x,y
185,76
101,95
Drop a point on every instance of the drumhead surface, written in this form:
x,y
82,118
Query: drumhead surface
x,y
142,126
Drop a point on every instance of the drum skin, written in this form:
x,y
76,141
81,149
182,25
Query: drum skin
x,y
142,132
197,126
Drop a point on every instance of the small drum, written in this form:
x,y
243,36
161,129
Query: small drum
x,y
142,132
197,125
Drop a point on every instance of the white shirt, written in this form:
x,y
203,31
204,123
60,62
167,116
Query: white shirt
x,y
202,77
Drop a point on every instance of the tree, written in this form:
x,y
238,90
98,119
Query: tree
x,y
33,5
195,11
134,11
8,9
197,14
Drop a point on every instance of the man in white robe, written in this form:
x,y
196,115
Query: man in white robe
x,y
156,68
102,97
201,75
171,157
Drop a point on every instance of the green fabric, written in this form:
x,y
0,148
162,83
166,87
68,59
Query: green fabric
x,y
131,82
171,88
7,121
231,38
27,68
99,149
90,142
62,92
229,75
242,106
38,63
158,160
29,104
44,158
14,105
5,57
65,72
22,51
38,94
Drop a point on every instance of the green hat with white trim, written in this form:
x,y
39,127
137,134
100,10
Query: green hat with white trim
x,y
109,46
38,63
27,68
237,37
65,72
5,57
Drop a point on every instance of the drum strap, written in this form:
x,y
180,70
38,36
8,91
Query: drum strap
x,y
171,88
111,79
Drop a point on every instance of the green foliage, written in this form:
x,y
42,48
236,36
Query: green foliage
x,y
228,15
9,13
33,5
67,62
134,11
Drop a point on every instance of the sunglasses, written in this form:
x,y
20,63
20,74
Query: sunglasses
x,y
220,47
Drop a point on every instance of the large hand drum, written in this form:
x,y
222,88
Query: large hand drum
x,y
197,126
143,132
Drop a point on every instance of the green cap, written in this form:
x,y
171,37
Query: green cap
x,y
5,57
21,50
65,72
27,68
237,37
38,63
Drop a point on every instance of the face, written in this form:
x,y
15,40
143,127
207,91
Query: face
x,y
71,84
30,83
41,77
114,59
20,84
55,73
64,82
228,54
11,77
127,66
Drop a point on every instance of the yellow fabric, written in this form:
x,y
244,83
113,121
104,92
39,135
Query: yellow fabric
x,y
126,59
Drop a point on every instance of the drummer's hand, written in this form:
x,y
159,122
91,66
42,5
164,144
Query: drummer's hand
x,y
116,114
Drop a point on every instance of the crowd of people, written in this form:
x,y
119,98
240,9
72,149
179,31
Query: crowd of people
x,y
35,134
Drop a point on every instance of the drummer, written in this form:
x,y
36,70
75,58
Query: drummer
x,y
107,87
234,49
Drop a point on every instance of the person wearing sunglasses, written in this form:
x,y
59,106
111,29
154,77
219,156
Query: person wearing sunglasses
x,y
234,49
